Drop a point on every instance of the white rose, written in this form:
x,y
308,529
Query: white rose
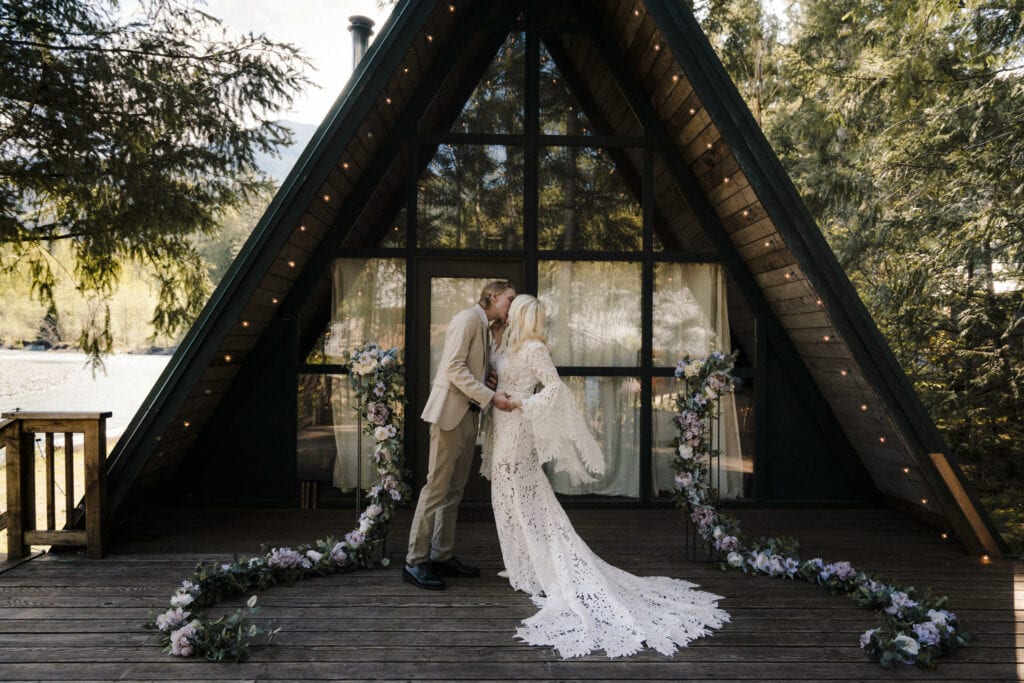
x,y
181,600
718,532
734,559
314,555
685,452
692,370
907,644
938,618
381,433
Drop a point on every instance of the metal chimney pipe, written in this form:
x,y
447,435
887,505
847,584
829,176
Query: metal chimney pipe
x,y
361,28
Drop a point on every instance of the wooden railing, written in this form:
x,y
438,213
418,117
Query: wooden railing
x,y
18,432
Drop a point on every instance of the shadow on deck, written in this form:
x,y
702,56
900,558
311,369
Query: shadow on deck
x,y
63,617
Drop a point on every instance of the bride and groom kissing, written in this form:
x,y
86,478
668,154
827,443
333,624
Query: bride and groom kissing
x,y
585,604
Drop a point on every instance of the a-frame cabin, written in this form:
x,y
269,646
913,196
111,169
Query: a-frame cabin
x,y
595,153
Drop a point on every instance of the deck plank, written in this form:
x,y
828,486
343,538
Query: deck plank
x,y
63,617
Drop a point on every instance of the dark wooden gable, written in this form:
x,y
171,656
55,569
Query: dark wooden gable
x,y
637,68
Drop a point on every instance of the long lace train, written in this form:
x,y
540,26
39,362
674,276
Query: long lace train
x,y
585,603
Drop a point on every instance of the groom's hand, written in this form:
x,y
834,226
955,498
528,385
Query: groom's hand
x,y
492,380
502,401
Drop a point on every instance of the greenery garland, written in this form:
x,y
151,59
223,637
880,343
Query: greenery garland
x,y
915,628
378,380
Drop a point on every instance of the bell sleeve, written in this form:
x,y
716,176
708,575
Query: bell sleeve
x,y
560,435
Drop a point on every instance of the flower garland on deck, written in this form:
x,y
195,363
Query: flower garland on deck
x,y
378,380
915,628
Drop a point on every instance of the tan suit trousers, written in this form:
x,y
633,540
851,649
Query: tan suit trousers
x,y
432,535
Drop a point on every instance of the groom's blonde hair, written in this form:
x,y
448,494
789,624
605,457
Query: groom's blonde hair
x,y
493,288
526,321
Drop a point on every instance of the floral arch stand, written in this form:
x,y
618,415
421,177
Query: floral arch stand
x,y
914,629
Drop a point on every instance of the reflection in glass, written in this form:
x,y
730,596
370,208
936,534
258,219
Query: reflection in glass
x,y
585,203
733,473
593,310
448,296
691,314
560,112
471,197
611,409
496,105
327,434
395,232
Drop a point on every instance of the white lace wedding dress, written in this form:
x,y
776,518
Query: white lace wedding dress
x,y
585,603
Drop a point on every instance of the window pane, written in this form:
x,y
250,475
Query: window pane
x,y
611,409
733,436
471,197
496,105
368,305
689,311
395,233
560,112
328,434
593,311
585,203
448,296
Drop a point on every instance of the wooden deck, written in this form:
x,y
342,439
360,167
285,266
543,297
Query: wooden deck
x,y
63,617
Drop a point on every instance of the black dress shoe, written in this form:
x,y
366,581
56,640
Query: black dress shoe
x,y
421,576
453,567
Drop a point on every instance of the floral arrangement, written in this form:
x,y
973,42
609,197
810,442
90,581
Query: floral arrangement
x,y
378,379
915,628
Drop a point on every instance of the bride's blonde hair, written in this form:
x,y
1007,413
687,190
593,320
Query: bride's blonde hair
x,y
526,321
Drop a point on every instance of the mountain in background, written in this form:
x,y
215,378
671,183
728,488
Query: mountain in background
x,y
278,168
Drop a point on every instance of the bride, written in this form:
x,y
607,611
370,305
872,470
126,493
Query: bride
x,y
585,603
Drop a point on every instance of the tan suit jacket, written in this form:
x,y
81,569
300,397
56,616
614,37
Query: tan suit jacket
x,y
462,372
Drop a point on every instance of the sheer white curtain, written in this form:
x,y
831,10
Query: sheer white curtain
x,y
368,304
594,320
691,317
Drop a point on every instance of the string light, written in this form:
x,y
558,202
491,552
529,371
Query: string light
x,y
387,100
818,301
906,470
844,372
789,275
291,264
692,111
924,501
826,338
657,47
864,407
767,243
945,536
710,145
302,228
746,213
344,165
451,8
227,358
327,197
273,300
726,179
245,323
636,13
675,78
186,424
881,439
405,70
986,559
430,38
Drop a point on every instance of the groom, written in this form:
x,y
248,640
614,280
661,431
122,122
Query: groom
x,y
457,396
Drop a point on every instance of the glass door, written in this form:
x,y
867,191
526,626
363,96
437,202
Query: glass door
x,y
443,288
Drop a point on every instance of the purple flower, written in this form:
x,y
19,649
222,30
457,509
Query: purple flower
x,y
284,558
865,637
684,480
338,554
729,543
898,602
927,633
355,538
378,413
379,389
171,619
844,570
703,517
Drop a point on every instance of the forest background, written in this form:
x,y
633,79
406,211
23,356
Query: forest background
x,y
900,122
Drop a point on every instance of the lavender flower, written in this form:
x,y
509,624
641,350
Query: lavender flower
x,y
284,558
899,602
865,637
338,555
355,539
927,633
941,617
378,413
